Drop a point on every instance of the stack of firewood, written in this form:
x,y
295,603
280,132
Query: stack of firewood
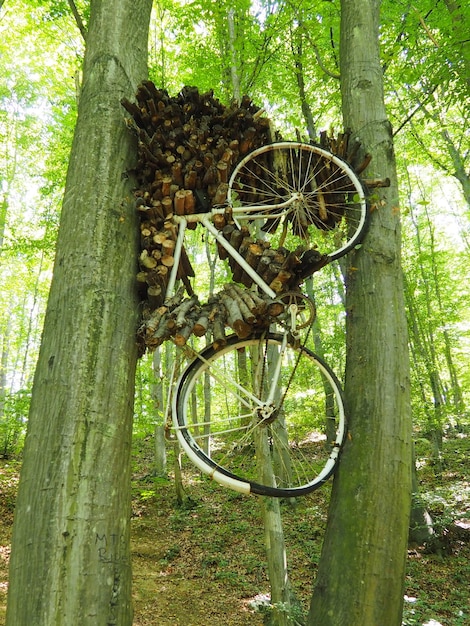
x,y
156,260
346,147
281,269
241,310
188,145
350,149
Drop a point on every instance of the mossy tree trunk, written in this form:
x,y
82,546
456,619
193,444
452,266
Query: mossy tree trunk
x,y
361,572
70,560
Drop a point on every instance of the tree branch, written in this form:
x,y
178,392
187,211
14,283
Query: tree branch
x,y
322,65
417,108
319,59
78,19
426,28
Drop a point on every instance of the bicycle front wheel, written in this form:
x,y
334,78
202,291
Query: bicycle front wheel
x,y
317,192
261,416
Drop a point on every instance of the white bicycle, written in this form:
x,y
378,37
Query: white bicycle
x,y
268,396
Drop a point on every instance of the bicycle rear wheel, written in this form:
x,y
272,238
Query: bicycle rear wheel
x,y
328,207
220,415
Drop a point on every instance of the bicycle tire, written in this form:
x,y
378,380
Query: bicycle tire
x,y
222,445
331,209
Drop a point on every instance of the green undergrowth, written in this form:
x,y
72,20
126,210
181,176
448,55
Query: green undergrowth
x,y
439,571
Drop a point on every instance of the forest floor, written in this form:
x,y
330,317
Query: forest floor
x,y
203,563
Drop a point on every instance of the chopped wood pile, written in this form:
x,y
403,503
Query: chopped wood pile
x,y
281,269
242,310
349,149
188,146
346,147
158,241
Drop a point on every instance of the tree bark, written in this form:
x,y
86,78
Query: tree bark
x,y
458,161
70,560
282,601
232,40
297,36
421,528
361,571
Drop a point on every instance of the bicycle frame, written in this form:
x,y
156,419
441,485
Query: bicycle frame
x,y
205,220
247,398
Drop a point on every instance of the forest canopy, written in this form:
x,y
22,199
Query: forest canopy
x,y
285,56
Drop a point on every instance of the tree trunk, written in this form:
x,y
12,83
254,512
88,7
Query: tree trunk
x,y
179,489
421,528
3,217
283,602
455,391
297,37
70,559
5,443
320,351
281,592
458,161
160,466
361,571
232,46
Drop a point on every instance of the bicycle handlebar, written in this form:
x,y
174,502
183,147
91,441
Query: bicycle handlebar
x,y
201,217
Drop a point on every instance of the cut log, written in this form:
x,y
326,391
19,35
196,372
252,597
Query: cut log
x,y
168,247
181,312
218,332
279,283
147,261
166,185
235,318
275,308
141,277
253,254
179,202
189,202
159,336
182,335
201,325
219,222
222,171
256,304
155,295
167,206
